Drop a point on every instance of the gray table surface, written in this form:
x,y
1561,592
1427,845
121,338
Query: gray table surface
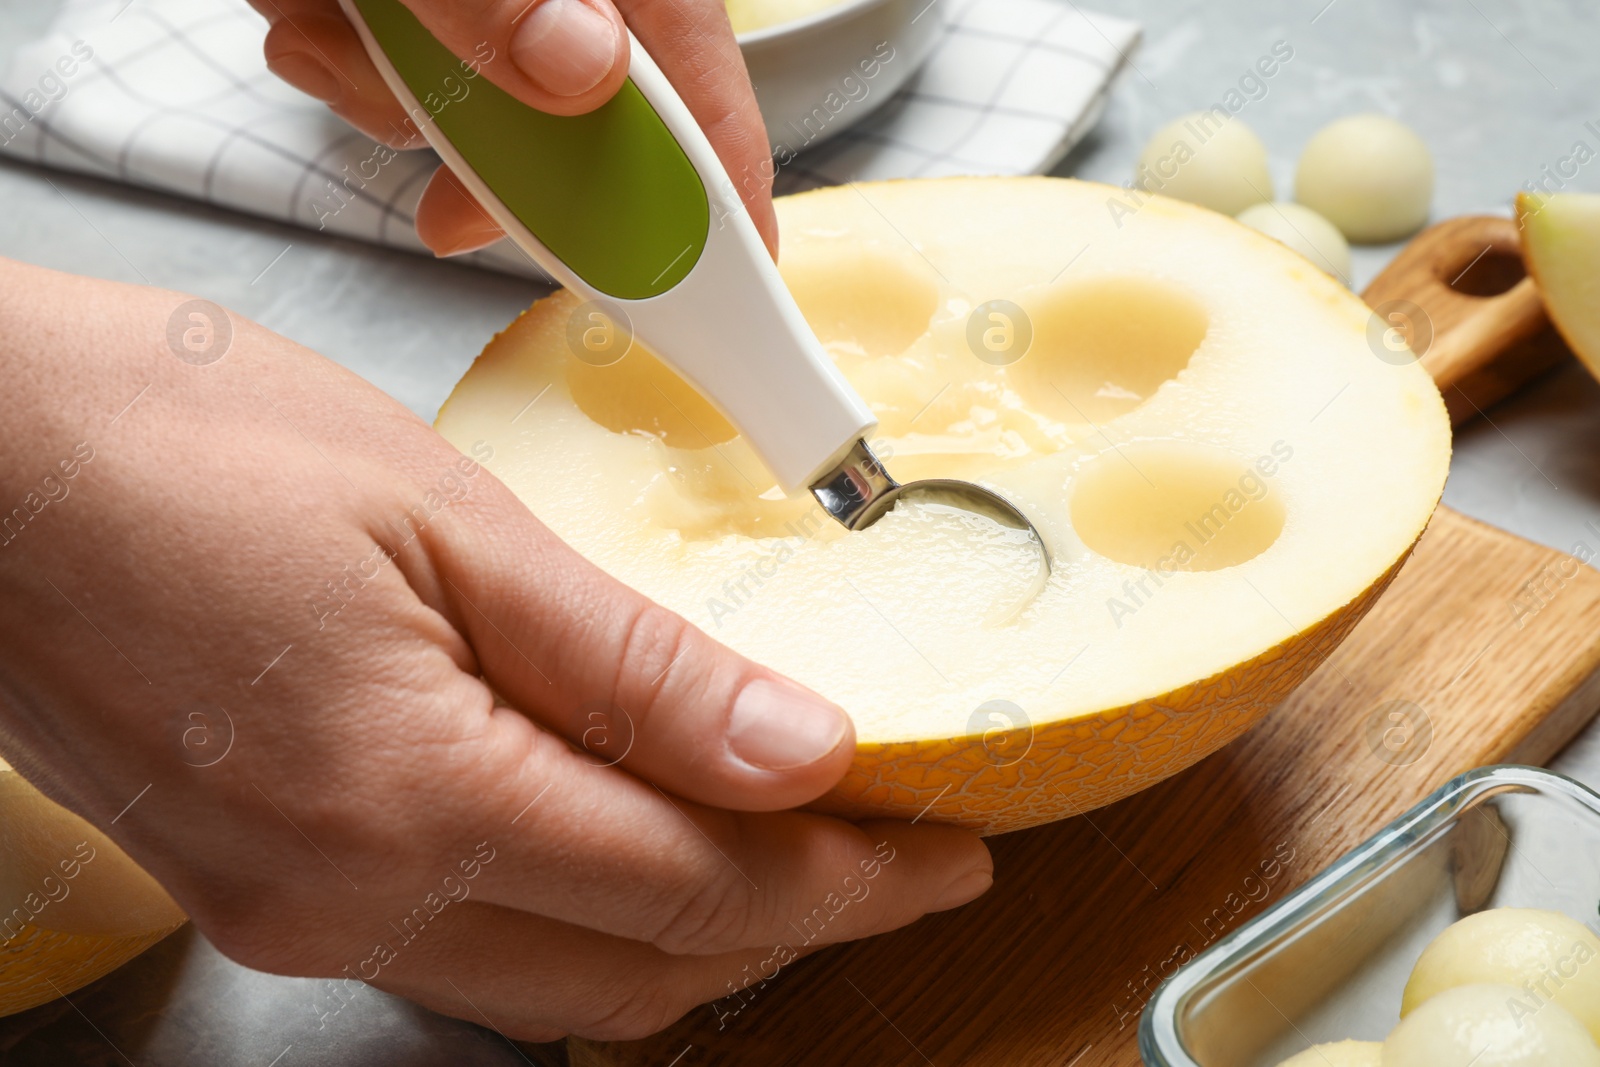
x,y
1498,90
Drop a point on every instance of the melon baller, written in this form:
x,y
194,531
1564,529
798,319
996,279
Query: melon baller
x,y
629,207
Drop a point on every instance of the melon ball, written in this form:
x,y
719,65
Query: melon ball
x,y
1207,158
1546,954
1489,1026
1369,175
1339,1054
1304,231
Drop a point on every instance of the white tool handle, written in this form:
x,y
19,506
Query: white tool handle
x,y
729,325
732,328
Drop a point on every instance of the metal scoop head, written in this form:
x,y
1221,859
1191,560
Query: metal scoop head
x,y
859,492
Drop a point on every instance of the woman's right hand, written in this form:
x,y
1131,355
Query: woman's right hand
x,y
563,57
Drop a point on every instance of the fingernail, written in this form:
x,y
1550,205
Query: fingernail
x,y
565,46
308,74
469,241
964,890
777,726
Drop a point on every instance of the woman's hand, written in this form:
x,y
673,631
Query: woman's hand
x,y
564,57
364,716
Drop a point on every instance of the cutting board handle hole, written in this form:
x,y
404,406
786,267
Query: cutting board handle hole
x,y
1494,272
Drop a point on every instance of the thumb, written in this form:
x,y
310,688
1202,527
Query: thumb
x,y
563,57
635,684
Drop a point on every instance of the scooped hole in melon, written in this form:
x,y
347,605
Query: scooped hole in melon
x,y
641,394
1169,505
862,302
1102,346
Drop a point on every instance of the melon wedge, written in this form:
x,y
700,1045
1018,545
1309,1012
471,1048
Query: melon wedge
x,y
1561,246
75,906
1225,471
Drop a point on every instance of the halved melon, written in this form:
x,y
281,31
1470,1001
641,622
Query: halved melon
x,y
1561,244
1226,459
75,907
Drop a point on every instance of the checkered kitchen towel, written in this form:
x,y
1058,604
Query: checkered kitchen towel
x,y
174,95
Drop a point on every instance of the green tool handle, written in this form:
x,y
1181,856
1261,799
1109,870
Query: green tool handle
x,y
630,206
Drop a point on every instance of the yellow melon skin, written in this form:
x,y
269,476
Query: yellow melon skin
x,y
38,966
1075,766
64,924
1166,332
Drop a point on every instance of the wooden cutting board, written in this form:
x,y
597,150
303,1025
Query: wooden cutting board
x,y
1486,649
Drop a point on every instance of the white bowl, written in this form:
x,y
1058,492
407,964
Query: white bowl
x,y
821,74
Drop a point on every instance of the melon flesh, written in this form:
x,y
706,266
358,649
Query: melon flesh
x,y
747,16
1224,471
1489,1026
1550,955
1561,244
1339,1054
